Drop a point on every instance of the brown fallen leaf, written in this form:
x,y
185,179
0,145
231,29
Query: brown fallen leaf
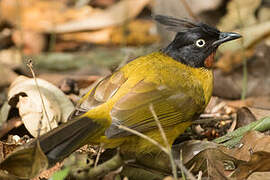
x,y
191,148
259,162
259,102
260,113
137,32
244,117
24,95
62,18
218,162
114,15
236,11
229,86
25,163
214,164
252,142
258,175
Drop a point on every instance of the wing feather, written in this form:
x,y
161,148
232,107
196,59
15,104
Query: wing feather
x,y
172,106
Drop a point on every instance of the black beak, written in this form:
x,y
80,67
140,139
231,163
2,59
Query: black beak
x,y
226,36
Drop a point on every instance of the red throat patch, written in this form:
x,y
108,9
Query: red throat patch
x,y
209,61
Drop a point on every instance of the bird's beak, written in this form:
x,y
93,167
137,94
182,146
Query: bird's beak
x,y
226,36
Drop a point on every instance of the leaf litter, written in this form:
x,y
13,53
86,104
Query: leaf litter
x,y
203,158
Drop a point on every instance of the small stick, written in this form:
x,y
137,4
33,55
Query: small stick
x,y
98,154
101,170
208,120
165,141
30,66
144,137
181,166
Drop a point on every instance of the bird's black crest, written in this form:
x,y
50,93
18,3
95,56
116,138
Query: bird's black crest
x,y
183,25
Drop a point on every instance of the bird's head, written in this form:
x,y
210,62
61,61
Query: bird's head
x,y
194,44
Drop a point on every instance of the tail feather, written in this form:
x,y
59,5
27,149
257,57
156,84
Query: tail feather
x,y
62,141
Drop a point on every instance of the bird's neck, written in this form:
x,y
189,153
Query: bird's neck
x,y
175,53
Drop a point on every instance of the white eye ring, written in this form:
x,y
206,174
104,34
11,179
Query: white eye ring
x,y
200,43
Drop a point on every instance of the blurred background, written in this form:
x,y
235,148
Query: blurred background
x,y
72,43
92,37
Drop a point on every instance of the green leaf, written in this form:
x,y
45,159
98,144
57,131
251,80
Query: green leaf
x,y
60,175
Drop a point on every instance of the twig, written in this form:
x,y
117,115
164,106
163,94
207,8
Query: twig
x,y
190,12
98,154
181,167
174,170
30,66
144,137
102,169
184,169
208,120
179,164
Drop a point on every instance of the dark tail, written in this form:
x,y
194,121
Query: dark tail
x,y
68,137
57,144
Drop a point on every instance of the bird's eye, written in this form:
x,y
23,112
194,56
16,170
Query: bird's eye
x,y
200,43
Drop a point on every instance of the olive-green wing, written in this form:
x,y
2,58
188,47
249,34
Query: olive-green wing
x,y
99,94
171,106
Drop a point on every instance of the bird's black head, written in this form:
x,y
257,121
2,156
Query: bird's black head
x,y
195,44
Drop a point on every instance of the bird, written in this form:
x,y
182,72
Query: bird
x,y
177,81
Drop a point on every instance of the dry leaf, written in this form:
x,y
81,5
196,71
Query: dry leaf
x,y
61,18
190,149
254,150
239,13
259,102
114,15
244,117
252,141
219,162
260,113
24,95
229,86
213,163
25,162
137,32
259,162
259,176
